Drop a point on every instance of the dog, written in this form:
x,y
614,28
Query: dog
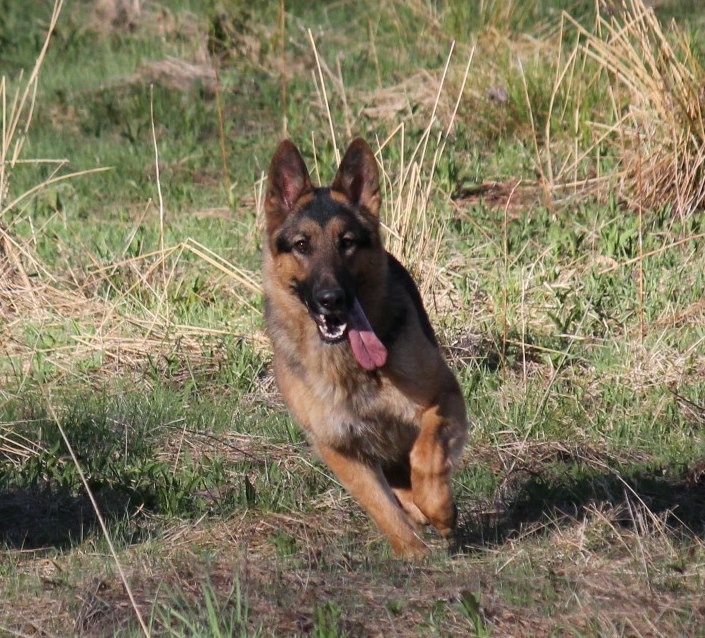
x,y
355,356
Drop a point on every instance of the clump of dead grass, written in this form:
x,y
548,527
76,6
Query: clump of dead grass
x,y
179,75
611,109
636,88
115,16
656,94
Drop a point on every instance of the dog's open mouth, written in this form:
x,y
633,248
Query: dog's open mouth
x,y
366,346
331,328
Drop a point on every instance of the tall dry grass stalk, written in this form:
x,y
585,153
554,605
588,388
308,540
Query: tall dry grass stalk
x,y
17,256
415,230
16,120
101,521
656,91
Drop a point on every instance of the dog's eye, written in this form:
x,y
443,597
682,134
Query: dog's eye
x,y
301,246
347,242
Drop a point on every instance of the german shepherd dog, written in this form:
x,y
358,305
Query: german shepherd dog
x,y
355,356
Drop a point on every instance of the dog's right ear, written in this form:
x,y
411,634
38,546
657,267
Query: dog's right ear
x,y
288,181
358,177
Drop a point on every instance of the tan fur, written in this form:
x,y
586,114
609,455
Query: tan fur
x,y
391,435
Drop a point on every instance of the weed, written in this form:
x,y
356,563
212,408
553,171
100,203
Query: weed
x,y
470,606
326,619
212,615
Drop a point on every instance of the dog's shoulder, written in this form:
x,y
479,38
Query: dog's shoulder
x,y
402,288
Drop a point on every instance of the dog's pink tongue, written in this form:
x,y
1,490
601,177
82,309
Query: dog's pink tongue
x,y
367,348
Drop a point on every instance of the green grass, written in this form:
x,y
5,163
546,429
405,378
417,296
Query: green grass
x,y
575,327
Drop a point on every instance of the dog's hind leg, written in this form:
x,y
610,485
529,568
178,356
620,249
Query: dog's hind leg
x,y
370,489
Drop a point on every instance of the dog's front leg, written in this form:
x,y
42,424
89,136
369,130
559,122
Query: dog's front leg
x,y
370,489
437,448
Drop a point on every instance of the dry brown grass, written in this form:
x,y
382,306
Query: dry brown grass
x,y
650,122
179,75
656,93
414,228
633,83
120,334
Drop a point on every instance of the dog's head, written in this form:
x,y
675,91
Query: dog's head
x,y
326,242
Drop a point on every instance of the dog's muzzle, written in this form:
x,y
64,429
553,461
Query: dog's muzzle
x,y
331,314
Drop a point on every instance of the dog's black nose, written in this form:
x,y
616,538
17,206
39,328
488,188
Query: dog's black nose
x,y
331,299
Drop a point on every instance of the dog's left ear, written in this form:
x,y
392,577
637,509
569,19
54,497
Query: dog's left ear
x,y
358,177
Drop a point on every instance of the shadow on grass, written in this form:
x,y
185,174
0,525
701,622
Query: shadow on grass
x,y
568,493
37,518
34,518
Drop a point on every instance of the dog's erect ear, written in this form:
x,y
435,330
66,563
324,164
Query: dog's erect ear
x,y
358,177
288,181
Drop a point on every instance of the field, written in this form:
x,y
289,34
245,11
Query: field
x,y
544,181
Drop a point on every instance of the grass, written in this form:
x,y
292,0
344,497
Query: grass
x,y
565,280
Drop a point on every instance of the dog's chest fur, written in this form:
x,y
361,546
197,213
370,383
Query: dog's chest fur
x,y
347,408
369,414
